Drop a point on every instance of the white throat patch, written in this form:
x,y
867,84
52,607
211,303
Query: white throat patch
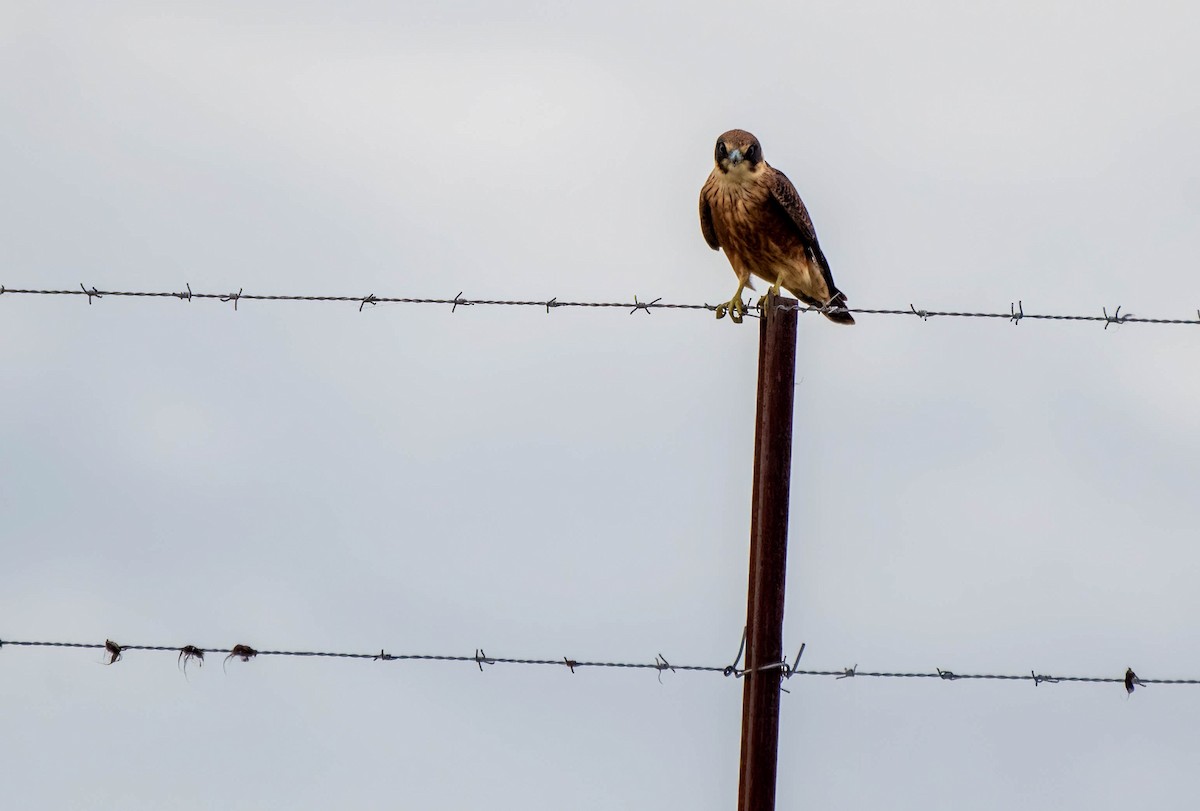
x,y
740,176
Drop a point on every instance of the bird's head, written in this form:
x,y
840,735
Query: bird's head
x,y
738,151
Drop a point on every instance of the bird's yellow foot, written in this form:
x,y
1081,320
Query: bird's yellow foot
x,y
735,307
762,302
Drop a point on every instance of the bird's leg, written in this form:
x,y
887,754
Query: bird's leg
x,y
762,302
734,306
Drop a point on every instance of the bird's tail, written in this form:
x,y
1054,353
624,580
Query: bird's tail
x,y
837,300
840,317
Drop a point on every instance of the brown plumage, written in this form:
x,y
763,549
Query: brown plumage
x,y
754,213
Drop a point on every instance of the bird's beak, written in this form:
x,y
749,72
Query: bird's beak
x,y
735,157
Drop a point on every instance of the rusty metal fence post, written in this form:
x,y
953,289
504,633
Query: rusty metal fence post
x,y
768,557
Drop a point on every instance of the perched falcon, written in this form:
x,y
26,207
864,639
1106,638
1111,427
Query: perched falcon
x,y
754,212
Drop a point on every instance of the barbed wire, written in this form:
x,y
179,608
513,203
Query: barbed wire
x,y
115,652
1015,315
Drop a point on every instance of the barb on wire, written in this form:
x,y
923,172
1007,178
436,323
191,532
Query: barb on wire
x,y
944,674
234,297
482,659
1015,315
1038,679
849,673
661,663
384,656
643,305
570,663
1115,318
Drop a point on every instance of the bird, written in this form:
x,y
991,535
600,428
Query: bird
x,y
753,212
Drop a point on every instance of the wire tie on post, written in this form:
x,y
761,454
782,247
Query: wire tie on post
x,y
233,297
732,670
90,294
482,659
383,656
114,651
772,666
789,670
782,666
370,299
946,675
849,673
643,305
1018,313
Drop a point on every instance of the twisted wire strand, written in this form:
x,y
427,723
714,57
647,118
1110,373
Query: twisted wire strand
x,y
660,665
1015,315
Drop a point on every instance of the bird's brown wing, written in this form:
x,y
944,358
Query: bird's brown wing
x,y
785,194
706,221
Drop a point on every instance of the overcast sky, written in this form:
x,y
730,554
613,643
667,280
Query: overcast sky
x,y
966,494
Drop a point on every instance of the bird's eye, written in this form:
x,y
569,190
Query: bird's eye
x,y
722,150
751,150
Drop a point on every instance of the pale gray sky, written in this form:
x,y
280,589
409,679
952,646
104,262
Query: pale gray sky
x,y
967,494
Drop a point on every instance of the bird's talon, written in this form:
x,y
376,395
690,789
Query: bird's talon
x,y
736,309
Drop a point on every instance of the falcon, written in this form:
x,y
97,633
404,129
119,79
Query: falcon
x,y
754,212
